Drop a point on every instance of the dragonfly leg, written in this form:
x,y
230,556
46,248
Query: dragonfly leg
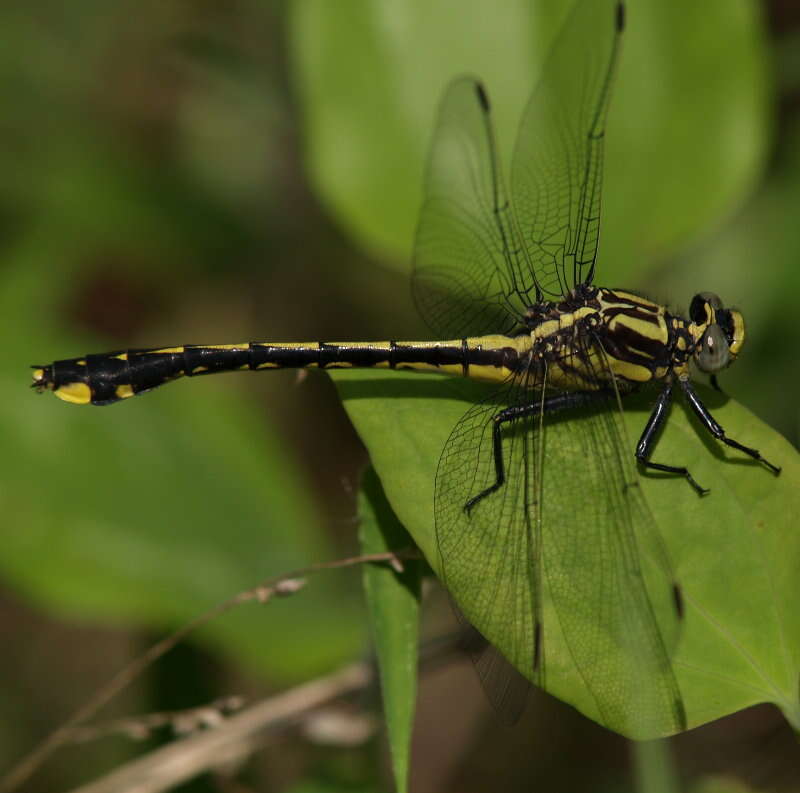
x,y
708,421
649,435
551,404
504,416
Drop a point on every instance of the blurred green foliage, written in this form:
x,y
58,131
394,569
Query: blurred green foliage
x,y
154,160
155,515
678,124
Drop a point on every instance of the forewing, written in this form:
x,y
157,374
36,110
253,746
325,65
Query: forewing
x,y
563,566
488,557
467,280
607,574
506,687
557,168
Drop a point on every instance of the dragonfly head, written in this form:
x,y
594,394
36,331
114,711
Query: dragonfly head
x,y
718,332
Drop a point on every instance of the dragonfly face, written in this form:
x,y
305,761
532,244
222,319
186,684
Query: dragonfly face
x,y
718,333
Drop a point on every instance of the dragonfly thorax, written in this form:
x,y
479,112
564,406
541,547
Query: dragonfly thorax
x,y
596,335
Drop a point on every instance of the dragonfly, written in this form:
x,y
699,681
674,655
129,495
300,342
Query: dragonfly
x,y
506,282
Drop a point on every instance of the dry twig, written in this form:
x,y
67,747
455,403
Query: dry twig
x,y
282,586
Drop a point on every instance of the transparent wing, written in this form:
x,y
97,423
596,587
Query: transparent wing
x,y
468,279
477,264
489,557
563,565
607,573
506,688
557,168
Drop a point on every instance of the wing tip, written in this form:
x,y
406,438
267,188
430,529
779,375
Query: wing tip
x,y
537,647
681,722
483,97
677,597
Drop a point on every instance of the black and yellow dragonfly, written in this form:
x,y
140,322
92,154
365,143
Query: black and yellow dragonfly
x,y
506,283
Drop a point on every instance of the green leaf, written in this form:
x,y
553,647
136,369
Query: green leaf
x,y
733,551
393,600
691,109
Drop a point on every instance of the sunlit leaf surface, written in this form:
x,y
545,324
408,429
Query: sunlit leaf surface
x,y
734,551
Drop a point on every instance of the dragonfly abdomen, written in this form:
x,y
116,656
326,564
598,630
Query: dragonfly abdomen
x,y
110,377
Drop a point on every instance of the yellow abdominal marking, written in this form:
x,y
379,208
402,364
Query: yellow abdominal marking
x,y
76,393
124,391
291,345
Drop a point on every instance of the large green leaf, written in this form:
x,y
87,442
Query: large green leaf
x,y
689,111
734,551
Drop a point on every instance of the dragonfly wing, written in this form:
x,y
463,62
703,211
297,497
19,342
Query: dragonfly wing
x,y
466,278
563,567
557,167
607,573
489,558
506,688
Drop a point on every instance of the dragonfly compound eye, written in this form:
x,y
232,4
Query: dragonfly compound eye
x,y
699,311
732,324
713,353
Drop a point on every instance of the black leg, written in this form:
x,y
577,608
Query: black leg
x,y
708,421
551,404
650,434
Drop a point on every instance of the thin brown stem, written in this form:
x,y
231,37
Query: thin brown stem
x,y
231,741
281,586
